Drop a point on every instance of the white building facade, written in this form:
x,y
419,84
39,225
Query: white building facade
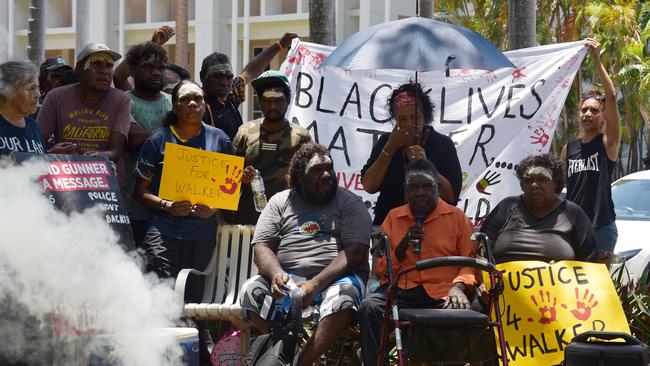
x,y
123,23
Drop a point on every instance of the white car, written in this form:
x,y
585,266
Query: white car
x,y
631,196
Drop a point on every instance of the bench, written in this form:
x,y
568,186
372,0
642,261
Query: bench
x,y
230,266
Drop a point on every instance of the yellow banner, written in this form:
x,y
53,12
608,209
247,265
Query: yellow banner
x,y
545,305
200,176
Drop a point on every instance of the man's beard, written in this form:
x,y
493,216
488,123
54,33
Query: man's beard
x,y
276,119
311,194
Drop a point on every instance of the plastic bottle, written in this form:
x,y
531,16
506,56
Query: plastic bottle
x,y
257,186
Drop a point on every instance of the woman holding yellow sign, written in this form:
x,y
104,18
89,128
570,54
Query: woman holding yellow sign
x,y
180,234
539,225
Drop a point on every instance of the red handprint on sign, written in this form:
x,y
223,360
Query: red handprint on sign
x,y
232,182
546,309
584,305
539,136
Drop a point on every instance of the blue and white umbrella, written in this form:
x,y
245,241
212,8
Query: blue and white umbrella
x,y
418,44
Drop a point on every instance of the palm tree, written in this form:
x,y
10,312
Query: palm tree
x,y
36,32
181,48
522,15
322,26
615,25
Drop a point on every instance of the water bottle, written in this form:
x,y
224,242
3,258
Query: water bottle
x,y
257,186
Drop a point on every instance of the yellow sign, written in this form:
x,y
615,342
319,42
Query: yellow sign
x,y
200,176
545,305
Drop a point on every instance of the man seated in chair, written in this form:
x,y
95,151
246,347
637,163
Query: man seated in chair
x,y
442,230
314,235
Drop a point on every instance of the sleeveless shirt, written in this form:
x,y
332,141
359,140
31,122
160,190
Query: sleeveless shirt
x,y
589,176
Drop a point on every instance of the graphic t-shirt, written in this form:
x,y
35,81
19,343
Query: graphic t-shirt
x,y
64,115
310,236
26,139
148,114
270,153
589,177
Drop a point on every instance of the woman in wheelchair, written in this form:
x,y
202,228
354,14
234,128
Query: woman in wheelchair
x,y
539,225
426,227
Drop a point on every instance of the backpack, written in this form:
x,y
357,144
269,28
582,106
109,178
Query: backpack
x,y
280,347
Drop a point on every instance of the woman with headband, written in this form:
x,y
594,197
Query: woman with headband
x,y
412,138
539,225
590,159
180,234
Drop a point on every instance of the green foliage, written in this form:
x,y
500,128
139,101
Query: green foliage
x,y
621,26
635,299
345,352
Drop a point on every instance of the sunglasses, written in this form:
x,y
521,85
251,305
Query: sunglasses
x,y
593,110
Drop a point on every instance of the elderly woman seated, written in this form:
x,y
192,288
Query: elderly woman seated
x,y
539,225
442,230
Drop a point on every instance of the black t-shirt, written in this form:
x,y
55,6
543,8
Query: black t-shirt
x,y
564,234
439,149
223,115
589,179
24,139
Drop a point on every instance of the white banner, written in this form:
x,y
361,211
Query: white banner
x,y
495,118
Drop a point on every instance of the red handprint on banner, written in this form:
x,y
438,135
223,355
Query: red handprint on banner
x,y
539,136
518,74
489,75
546,309
230,185
584,305
303,54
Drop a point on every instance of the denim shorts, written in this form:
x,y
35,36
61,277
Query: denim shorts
x,y
606,236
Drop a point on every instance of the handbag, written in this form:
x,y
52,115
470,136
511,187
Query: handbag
x,y
280,347
597,348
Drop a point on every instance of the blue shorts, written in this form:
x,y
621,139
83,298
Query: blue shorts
x,y
345,293
606,237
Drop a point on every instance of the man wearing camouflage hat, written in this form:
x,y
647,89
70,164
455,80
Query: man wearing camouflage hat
x,y
267,143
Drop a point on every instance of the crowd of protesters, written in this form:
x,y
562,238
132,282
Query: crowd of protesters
x,y
312,233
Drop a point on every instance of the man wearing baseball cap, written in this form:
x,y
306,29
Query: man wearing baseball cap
x,y
223,92
267,143
52,71
89,117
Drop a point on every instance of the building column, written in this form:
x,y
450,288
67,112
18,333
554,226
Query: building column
x,y
82,25
364,14
6,29
209,32
246,55
234,35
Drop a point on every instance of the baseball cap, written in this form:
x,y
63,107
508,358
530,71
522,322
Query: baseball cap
x,y
54,63
92,48
270,79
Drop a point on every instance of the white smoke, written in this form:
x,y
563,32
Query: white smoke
x,y
72,265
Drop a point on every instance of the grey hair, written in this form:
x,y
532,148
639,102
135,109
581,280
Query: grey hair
x,y
12,75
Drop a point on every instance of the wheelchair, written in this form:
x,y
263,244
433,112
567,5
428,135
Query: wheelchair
x,y
443,336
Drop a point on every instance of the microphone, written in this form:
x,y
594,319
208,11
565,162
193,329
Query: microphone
x,y
419,219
